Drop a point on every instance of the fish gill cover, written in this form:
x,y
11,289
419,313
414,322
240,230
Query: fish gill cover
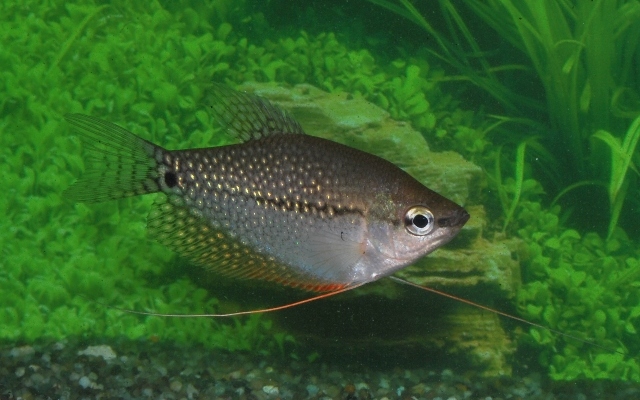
x,y
142,66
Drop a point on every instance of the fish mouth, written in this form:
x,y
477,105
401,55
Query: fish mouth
x,y
456,219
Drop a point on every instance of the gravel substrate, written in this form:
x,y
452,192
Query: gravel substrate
x,y
140,370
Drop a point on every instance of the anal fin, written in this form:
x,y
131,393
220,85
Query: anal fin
x,y
191,236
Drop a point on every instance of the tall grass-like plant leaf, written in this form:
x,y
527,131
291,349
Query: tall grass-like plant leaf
x,y
497,178
403,12
451,10
483,77
621,155
575,47
425,25
616,208
519,178
630,143
543,33
412,14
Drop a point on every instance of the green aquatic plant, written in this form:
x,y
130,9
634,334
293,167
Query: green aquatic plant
x,y
585,55
621,162
510,205
474,67
585,286
576,49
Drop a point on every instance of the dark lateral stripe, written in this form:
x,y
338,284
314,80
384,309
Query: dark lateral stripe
x,y
292,205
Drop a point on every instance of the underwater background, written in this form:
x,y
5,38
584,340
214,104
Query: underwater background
x,y
528,111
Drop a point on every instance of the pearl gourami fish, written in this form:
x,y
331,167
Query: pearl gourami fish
x,y
281,206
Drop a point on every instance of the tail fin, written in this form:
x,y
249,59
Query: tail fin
x,y
118,163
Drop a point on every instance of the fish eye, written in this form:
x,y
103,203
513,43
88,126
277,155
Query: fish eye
x,y
419,221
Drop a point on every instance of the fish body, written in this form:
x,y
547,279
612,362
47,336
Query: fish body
x,y
281,206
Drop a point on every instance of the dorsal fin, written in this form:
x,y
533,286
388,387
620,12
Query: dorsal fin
x,y
246,116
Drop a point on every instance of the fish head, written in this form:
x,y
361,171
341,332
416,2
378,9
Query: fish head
x,y
406,224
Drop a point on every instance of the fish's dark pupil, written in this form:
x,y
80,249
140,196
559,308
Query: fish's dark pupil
x,y
170,179
420,221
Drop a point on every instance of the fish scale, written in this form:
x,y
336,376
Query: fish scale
x,y
281,206
289,197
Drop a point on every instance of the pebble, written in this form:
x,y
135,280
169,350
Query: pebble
x,y
419,389
85,382
447,374
219,388
312,390
22,351
163,370
37,379
235,375
332,391
176,386
191,391
271,390
103,351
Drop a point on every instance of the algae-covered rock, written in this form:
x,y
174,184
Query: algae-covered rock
x,y
468,266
